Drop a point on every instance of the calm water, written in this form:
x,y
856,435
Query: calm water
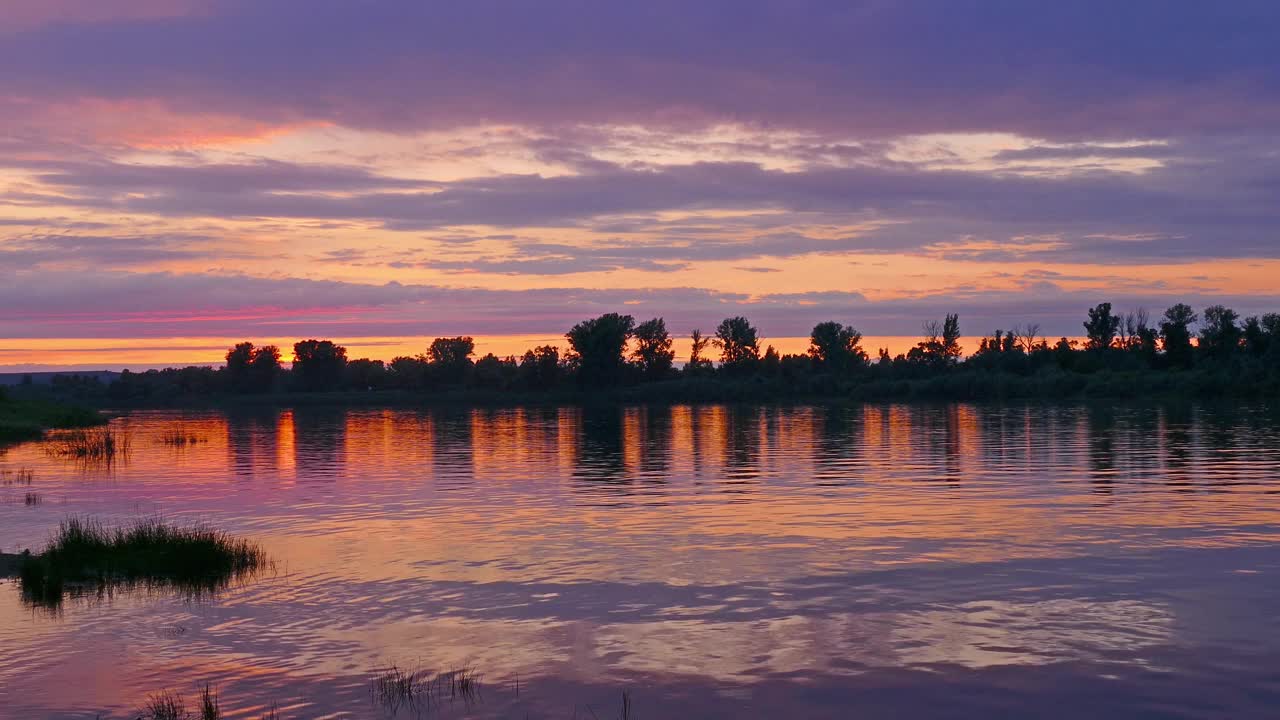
x,y
714,562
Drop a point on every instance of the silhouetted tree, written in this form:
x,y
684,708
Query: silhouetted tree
x,y
941,344
597,346
366,374
450,358
408,373
1261,336
1175,334
495,373
1027,337
738,342
653,351
698,360
835,347
252,370
318,364
1101,328
1064,353
540,367
1253,338
771,363
1219,334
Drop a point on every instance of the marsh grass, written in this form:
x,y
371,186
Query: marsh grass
x,y
209,709
179,438
32,499
418,690
164,706
96,445
195,560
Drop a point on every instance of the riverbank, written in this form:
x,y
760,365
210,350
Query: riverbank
x,y
959,385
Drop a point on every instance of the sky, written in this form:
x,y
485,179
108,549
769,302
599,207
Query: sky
x,y
178,175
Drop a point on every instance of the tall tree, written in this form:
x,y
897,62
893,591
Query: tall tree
x,y
264,368
450,358
318,364
1219,334
252,369
238,360
540,367
1101,327
597,347
941,344
698,360
738,341
836,347
653,351
1175,334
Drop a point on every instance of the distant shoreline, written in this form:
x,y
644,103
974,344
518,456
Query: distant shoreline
x,y
957,386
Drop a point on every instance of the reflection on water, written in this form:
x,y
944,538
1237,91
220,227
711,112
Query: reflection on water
x,y
878,561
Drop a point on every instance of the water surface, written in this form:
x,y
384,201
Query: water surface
x,y
878,561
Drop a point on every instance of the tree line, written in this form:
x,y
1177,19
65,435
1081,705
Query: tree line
x,y
615,351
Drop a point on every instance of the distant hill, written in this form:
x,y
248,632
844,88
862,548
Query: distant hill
x,y
45,378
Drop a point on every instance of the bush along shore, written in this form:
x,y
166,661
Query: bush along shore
x,y
84,555
614,358
28,419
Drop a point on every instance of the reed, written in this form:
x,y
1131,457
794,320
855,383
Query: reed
x,y
164,706
98,444
209,709
21,476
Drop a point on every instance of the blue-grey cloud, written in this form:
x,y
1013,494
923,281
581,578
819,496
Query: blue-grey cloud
x,y
1082,69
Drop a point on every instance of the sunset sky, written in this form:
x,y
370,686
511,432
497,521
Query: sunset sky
x,y
177,175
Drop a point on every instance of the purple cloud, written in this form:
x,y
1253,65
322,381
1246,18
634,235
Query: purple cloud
x,y
1078,70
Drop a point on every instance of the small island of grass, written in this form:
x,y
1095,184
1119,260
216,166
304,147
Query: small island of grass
x,y
84,553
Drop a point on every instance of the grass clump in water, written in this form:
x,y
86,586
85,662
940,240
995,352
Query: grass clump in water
x,y
197,560
103,444
179,438
418,690
33,499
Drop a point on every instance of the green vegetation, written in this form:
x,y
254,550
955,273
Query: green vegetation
x,y
28,419
85,553
615,358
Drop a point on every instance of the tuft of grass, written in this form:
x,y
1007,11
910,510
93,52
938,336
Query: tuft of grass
x,y
395,688
101,444
179,438
272,714
463,684
197,560
625,714
164,706
209,709
33,499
